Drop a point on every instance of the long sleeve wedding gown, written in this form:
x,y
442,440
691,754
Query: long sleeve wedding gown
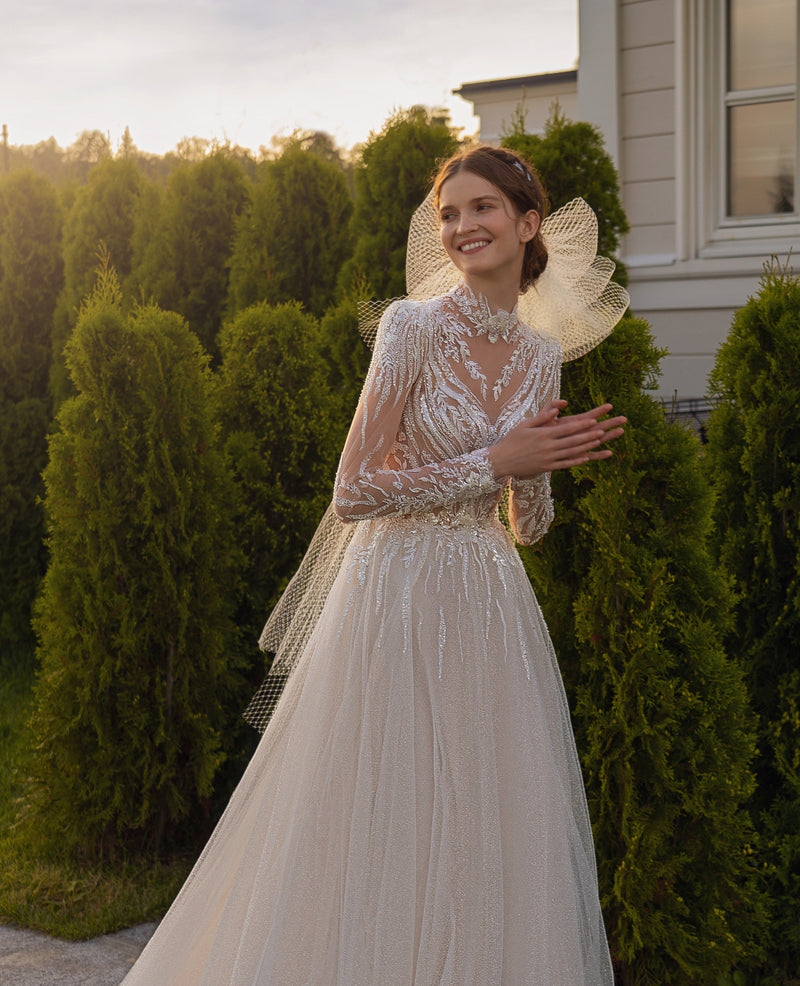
x,y
414,814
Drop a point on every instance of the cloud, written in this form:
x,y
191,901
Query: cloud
x,y
245,70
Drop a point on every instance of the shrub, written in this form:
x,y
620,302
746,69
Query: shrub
x,y
134,618
753,459
638,609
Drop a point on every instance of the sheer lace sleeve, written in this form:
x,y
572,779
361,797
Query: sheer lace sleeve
x,y
530,508
369,483
530,505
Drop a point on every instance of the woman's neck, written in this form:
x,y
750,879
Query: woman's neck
x,y
500,295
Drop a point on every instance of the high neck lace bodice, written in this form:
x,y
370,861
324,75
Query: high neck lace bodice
x,y
430,411
480,319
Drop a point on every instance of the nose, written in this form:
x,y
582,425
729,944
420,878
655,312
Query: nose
x,y
466,222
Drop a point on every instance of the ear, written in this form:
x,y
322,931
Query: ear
x,y
529,223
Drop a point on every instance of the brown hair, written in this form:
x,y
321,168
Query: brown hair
x,y
517,179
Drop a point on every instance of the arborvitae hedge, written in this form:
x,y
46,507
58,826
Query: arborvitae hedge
x,y
637,609
753,459
393,176
31,274
346,358
134,620
101,219
282,434
293,237
571,159
183,244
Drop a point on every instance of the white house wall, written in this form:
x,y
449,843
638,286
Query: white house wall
x,y
497,109
687,291
639,83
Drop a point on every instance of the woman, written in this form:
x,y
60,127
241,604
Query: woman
x,y
414,813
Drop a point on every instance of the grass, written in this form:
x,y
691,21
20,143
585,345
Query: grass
x,y
60,897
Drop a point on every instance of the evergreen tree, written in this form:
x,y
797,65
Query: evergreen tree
x,y
753,458
183,265
637,609
101,218
294,237
31,276
393,177
90,148
23,455
346,357
571,159
30,279
315,142
134,620
282,443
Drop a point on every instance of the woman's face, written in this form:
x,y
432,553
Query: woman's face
x,y
481,230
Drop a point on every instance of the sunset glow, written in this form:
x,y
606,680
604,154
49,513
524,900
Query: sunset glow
x,y
243,71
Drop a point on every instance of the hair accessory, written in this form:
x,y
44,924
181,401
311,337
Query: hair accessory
x,y
523,169
574,299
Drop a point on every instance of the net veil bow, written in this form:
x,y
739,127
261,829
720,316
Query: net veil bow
x,y
573,300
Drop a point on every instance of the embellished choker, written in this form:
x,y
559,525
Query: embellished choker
x,y
495,326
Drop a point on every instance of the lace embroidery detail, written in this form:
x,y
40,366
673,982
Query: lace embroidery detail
x,y
499,325
419,443
525,344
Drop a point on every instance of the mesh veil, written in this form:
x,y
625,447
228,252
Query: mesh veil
x,y
290,623
573,300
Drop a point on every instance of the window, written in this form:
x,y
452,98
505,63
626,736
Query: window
x,y
760,114
738,129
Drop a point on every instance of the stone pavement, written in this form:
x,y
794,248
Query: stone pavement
x,y
28,958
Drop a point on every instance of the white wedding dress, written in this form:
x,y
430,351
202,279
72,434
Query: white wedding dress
x,y
414,814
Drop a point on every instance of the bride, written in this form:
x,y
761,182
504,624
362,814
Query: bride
x,y
414,814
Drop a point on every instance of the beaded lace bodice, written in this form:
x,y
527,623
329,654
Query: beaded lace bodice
x,y
443,387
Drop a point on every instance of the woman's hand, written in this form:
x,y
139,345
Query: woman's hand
x,y
548,442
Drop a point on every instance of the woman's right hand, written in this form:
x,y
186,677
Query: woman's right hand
x,y
547,441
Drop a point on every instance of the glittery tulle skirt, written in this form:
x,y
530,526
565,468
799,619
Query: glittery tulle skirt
x,y
414,814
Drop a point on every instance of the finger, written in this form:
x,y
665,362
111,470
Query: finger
x,y
573,450
576,425
595,412
543,417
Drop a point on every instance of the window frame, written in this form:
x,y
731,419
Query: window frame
x,y
718,234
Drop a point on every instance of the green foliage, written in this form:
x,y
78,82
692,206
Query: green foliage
x,y
49,892
282,442
293,239
30,279
31,273
134,620
79,900
637,609
23,455
16,682
101,219
183,265
394,175
346,357
753,458
572,160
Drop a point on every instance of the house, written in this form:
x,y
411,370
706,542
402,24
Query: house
x,y
697,100
498,101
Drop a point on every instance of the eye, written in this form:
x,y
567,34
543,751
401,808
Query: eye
x,y
447,216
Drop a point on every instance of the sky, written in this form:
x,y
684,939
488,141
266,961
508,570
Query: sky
x,y
242,71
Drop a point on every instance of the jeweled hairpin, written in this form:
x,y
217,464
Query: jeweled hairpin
x,y
518,164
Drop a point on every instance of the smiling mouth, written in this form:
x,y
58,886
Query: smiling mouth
x,y
474,245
